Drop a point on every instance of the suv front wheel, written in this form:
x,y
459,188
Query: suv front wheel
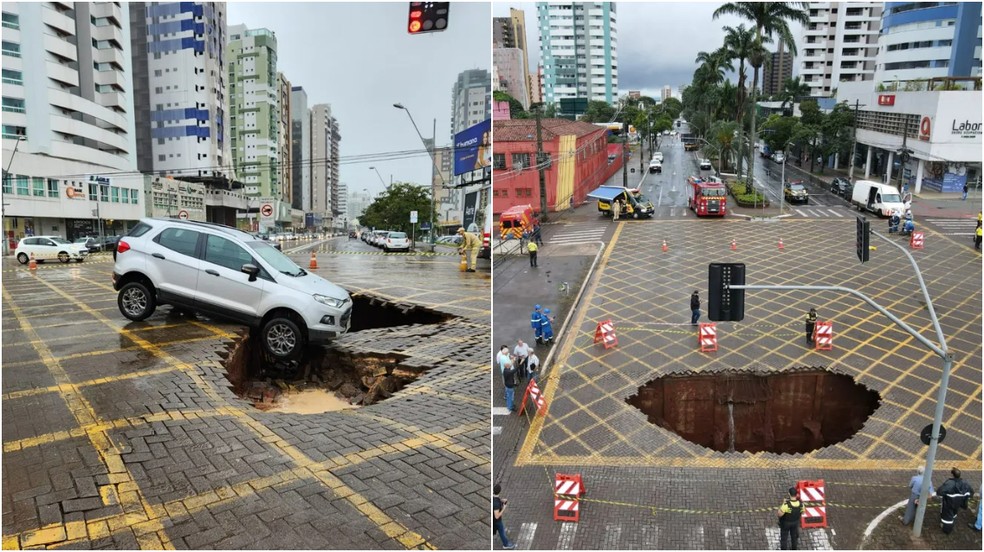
x,y
136,302
282,338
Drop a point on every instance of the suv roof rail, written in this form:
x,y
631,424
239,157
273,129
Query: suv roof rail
x,y
213,225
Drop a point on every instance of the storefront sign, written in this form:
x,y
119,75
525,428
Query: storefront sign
x,y
925,128
886,99
966,129
73,190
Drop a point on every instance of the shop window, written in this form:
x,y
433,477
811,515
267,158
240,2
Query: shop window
x,y
103,193
498,161
37,187
134,196
115,193
22,185
52,188
8,186
93,194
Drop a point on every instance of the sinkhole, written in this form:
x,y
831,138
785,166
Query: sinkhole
x,y
788,413
331,377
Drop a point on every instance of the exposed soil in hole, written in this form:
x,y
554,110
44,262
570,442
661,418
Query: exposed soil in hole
x,y
328,379
793,412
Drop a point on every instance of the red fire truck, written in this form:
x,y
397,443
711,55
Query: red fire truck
x,y
706,198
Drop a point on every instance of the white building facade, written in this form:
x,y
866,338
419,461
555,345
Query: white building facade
x,y
839,44
68,125
578,50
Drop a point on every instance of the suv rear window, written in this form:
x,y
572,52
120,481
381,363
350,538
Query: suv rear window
x,y
182,240
397,235
140,229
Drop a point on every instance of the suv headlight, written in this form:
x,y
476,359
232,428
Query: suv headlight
x,y
330,301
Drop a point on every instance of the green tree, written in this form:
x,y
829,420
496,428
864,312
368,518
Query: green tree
x,y
598,112
723,135
672,107
768,19
777,131
792,90
391,210
516,110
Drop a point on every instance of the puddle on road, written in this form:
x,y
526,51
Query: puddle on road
x,y
328,378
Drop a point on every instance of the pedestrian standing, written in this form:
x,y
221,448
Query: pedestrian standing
x,y
532,247
977,236
954,494
977,526
546,326
536,320
789,521
533,365
498,507
509,381
915,484
501,357
811,323
965,192
694,308
522,353
616,209
537,236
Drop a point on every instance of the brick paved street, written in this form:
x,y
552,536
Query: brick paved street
x,y
126,435
649,488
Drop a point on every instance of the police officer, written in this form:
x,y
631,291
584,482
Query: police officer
x,y
789,521
532,248
535,322
977,237
811,322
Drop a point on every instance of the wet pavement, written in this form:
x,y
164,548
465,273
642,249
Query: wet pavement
x,y
648,487
126,435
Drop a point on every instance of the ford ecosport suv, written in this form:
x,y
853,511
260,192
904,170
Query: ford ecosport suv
x,y
221,271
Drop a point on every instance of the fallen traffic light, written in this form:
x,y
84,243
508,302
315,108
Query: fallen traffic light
x,y
723,303
428,17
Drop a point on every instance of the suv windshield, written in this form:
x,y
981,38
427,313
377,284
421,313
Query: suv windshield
x,y
797,188
277,260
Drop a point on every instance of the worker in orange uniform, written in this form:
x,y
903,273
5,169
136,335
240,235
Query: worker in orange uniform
x,y
470,245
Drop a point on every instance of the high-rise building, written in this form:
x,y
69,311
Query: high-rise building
x,y
343,205
510,32
839,44
284,165
578,50
300,149
921,40
471,100
254,113
68,121
666,94
325,137
507,66
777,71
179,72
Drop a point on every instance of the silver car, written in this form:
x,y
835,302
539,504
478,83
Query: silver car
x,y
222,271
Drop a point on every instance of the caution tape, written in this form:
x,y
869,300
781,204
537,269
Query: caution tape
x,y
383,253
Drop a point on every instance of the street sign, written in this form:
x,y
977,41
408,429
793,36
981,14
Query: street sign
x,y
266,210
425,226
182,214
413,217
927,433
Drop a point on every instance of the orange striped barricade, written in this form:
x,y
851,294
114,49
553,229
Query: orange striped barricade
x,y
813,497
708,337
917,239
568,490
533,393
605,333
823,336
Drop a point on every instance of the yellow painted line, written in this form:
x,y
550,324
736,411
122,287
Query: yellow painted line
x,y
24,363
390,527
85,415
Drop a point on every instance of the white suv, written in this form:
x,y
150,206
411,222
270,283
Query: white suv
x,y
221,271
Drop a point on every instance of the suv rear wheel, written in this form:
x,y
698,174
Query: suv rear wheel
x,y
282,338
136,302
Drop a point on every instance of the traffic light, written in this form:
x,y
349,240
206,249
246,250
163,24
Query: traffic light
x,y
863,233
428,17
723,303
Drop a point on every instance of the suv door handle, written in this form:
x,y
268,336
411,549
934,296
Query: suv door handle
x,y
159,256
212,272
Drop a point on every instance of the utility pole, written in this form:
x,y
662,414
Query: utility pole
x,y
904,152
854,146
540,165
625,147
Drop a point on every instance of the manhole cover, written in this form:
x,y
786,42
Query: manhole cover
x,y
791,412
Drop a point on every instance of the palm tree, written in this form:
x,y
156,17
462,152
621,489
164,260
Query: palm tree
x,y
769,19
711,73
792,90
740,45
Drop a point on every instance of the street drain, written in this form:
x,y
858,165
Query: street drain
x,y
343,379
793,412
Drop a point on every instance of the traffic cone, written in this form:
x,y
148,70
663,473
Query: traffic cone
x,y
781,247
463,265
32,265
314,261
665,248
734,244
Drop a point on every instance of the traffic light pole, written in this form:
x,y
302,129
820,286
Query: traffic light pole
x,y
940,350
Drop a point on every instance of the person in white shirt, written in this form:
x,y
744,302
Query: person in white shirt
x,y
532,365
521,351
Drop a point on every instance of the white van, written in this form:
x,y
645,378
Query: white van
x,y
880,199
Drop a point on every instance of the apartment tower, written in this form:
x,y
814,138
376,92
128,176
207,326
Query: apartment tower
x,y
839,44
578,50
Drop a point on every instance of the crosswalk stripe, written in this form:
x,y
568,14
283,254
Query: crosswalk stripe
x,y
496,430
772,538
732,538
612,534
696,538
580,234
818,538
567,532
836,214
650,538
524,540
500,411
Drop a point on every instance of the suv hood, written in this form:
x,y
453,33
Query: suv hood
x,y
313,284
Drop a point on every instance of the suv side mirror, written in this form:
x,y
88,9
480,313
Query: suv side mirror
x,y
250,269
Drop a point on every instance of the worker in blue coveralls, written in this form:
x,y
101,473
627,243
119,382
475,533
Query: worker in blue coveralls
x,y
546,327
535,322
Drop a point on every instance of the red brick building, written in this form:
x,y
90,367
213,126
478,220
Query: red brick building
x,y
579,162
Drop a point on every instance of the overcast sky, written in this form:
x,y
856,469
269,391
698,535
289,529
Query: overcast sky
x,y
657,41
359,58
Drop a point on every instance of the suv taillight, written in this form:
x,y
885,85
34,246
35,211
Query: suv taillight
x,y
123,247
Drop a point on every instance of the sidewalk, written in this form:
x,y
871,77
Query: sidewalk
x,y
890,534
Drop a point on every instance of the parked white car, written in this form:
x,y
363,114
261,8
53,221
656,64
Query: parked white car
x,y
705,164
396,241
49,248
779,157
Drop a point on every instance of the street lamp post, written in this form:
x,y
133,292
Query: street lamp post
x,y
381,181
6,180
430,152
